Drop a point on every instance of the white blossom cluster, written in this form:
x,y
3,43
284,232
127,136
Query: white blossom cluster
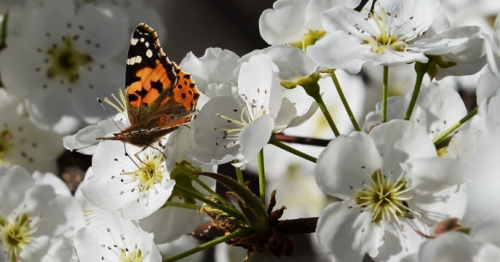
x,y
401,170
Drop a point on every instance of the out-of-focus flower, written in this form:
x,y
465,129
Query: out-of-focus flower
x,y
21,142
66,62
37,223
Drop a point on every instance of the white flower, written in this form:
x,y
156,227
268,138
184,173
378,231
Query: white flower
x,y
37,224
169,223
215,73
112,238
137,186
66,62
464,59
230,127
492,48
85,140
290,20
487,85
438,107
482,245
293,65
483,172
21,142
471,12
390,36
392,184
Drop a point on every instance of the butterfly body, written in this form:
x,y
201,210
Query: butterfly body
x,y
160,97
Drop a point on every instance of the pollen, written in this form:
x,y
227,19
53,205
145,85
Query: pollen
x,y
385,199
16,235
149,172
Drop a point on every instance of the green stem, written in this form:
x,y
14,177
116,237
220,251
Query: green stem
x,y
344,101
274,141
448,131
239,174
311,86
188,172
181,205
329,119
229,211
385,87
420,69
238,233
262,176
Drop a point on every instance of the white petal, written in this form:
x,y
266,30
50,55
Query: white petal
x,y
284,23
437,173
338,50
255,136
398,141
346,233
345,163
452,246
105,26
215,66
258,84
170,223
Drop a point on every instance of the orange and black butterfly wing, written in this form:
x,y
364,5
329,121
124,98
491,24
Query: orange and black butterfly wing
x,y
159,94
149,74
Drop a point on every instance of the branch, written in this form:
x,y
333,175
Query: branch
x,y
302,140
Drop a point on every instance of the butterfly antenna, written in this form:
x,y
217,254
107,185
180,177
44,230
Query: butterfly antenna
x,y
105,109
85,147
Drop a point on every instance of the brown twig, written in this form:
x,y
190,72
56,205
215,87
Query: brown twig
x,y
302,140
297,226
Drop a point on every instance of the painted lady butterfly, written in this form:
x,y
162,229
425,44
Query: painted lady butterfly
x,y
160,97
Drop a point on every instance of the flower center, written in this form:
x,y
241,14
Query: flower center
x,y
5,145
121,250
65,60
384,199
150,171
386,39
126,256
16,236
233,133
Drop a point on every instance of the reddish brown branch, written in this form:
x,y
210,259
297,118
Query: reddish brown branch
x,y
302,140
297,226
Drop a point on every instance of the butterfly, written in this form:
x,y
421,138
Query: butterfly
x,y
160,97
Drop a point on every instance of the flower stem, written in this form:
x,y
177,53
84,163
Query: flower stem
x,y
181,205
188,172
230,211
274,141
262,176
238,233
385,87
452,128
239,174
311,87
329,119
420,68
344,101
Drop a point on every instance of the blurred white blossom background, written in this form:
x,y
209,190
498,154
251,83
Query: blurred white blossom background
x,y
407,171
